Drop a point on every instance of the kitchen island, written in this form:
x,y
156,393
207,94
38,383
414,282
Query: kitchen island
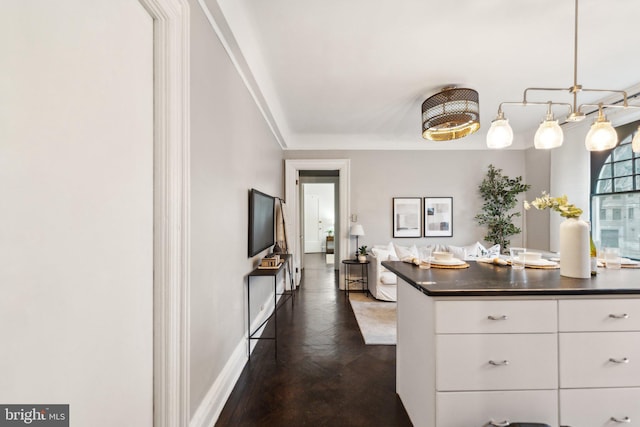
x,y
489,345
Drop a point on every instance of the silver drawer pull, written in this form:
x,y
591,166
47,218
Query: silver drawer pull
x,y
503,317
619,316
498,362
504,423
621,420
623,360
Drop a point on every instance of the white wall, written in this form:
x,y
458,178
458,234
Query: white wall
x,y
538,169
570,175
76,222
232,151
378,176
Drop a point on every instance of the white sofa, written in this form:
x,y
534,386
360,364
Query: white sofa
x,y
383,283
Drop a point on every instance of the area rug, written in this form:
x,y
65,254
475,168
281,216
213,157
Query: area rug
x,y
376,319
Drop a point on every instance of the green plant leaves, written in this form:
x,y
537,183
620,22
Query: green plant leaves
x,y
500,194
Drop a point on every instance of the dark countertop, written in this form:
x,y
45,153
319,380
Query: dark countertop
x,y
482,279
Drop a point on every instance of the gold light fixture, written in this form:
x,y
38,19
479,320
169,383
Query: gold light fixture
x,y
450,114
601,136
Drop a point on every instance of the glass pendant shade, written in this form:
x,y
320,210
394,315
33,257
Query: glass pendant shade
x,y
601,136
635,144
549,135
500,134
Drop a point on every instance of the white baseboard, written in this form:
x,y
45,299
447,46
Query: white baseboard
x,y
211,406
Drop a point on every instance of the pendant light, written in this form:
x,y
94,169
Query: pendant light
x,y
635,143
601,136
549,134
500,134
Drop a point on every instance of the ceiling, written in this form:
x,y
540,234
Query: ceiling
x,y
352,74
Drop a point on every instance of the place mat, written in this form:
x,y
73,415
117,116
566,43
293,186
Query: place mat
x,y
543,267
450,266
628,265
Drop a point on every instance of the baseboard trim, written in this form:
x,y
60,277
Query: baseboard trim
x,y
211,406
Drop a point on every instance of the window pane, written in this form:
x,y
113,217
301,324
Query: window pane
x,y
603,213
638,182
604,186
637,165
623,152
623,184
605,172
623,168
622,226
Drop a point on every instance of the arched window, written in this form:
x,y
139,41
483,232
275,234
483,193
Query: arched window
x,y
615,200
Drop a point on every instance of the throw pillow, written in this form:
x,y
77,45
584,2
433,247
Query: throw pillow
x,y
471,251
406,254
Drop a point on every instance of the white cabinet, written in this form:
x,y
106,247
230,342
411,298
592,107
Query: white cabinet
x,y
600,359
560,360
496,317
496,362
600,407
599,362
501,407
598,315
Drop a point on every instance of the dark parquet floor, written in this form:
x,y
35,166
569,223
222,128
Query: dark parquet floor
x,y
325,375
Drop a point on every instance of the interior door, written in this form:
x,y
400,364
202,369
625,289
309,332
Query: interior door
x,y
312,224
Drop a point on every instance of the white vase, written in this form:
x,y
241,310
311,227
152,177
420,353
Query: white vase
x,y
362,258
574,249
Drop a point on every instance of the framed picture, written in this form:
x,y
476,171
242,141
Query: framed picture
x,y
407,220
438,216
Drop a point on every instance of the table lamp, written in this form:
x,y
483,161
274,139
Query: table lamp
x,y
357,230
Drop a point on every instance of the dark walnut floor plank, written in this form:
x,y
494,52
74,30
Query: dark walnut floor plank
x,y
325,375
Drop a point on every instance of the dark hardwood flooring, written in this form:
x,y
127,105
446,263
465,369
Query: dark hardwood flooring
x,y
325,375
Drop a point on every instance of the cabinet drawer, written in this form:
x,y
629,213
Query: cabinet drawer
x,y
496,362
589,359
495,317
599,315
600,407
479,408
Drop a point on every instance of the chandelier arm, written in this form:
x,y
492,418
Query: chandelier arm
x,y
609,106
524,97
624,94
525,104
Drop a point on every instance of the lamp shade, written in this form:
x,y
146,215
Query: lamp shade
x,y
635,144
601,136
357,230
500,134
549,135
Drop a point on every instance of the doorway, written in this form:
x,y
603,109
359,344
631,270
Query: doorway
x,y
293,170
318,213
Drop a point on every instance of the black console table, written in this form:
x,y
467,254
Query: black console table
x,y
269,272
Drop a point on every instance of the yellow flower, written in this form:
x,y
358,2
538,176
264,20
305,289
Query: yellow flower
x,y
558,204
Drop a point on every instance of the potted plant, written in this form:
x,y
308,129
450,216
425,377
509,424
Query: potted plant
x,y
362,253
500,194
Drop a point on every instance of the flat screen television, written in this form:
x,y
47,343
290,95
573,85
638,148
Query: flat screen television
x,y
261,221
